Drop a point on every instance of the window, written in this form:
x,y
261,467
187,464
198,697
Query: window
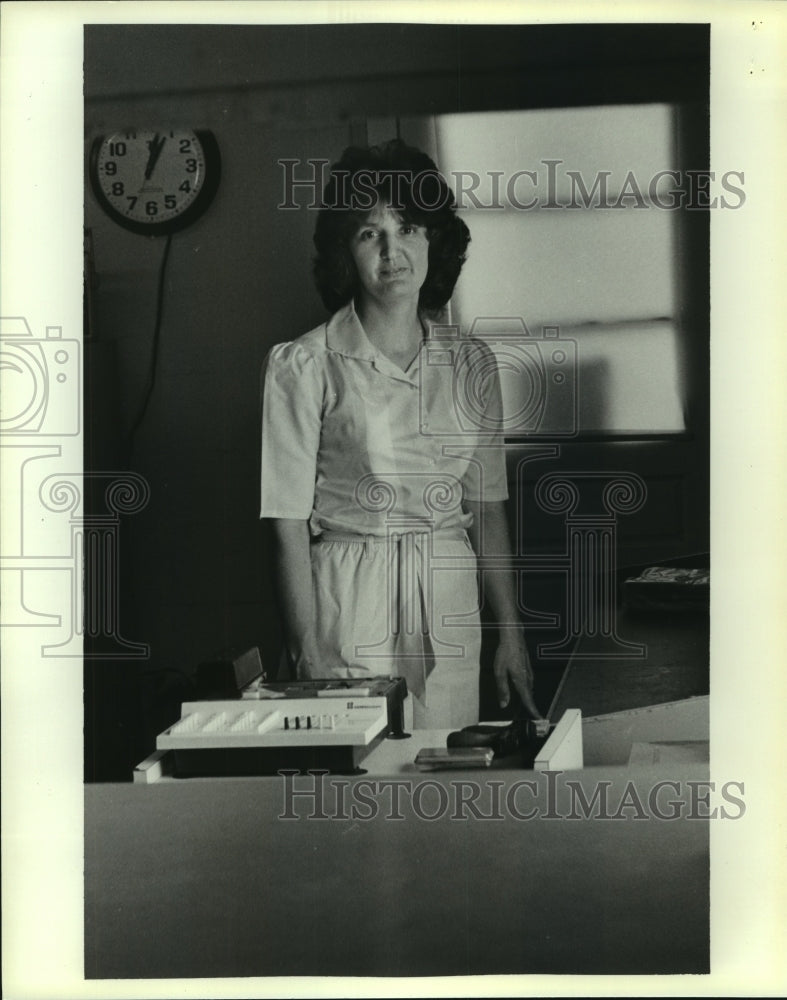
x,y
575,239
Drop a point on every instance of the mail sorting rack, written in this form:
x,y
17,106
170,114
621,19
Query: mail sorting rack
x,y
224,738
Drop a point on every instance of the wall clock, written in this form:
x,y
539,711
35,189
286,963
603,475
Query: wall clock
x,y
155,181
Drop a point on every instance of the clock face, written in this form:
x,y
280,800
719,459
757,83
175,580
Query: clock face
x,y
155,181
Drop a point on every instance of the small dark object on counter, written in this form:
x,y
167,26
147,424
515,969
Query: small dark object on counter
x,y
227,674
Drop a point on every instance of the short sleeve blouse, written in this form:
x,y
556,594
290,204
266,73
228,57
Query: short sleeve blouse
x,y
353,443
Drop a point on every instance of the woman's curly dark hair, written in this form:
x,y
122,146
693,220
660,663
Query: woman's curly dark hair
x,y
408,181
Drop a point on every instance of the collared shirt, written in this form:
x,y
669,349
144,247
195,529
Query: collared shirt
x,y
352,442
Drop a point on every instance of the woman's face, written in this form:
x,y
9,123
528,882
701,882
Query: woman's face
x,y
391,256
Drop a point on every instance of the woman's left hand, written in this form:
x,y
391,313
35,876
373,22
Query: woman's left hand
x,y
512,667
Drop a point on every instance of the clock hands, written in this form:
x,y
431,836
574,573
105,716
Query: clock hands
x,y
155,146
155,180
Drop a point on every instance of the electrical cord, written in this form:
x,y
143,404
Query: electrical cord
x,y
154,353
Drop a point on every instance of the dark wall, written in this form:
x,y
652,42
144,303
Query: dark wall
x,y
194,569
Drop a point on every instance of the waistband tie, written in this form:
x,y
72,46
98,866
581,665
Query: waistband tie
x,y
409,601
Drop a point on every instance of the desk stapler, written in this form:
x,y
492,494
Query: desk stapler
x,y
522,737
535,744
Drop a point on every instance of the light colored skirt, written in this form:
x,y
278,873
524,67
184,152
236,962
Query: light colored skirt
x,y
404,604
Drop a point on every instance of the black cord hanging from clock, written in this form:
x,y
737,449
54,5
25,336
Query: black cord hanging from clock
x,y
154,351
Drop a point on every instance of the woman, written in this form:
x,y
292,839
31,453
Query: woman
x,y
381,487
